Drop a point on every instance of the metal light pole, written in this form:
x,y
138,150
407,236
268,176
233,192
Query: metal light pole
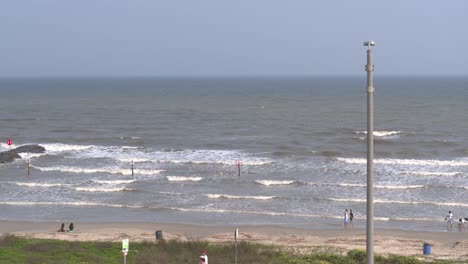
x,y
370,156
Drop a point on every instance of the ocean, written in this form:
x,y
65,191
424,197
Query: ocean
x,y
220,151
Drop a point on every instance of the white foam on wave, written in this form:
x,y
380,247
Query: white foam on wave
x,y
139,154
35,184
27,155
130,137
225,157
381,133
336,184
447,204
98,189
228,196
208,210
111,170
360,185
271,182
135,160
6,146
413,162
170,193
183,178
58,147
433,173
79,204
398,186
347,184
112,182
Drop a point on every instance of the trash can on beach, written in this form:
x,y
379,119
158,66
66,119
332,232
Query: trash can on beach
x,y
426,249
159,235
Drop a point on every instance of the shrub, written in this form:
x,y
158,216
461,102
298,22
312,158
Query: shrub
x,y
8,240
392,259
359,256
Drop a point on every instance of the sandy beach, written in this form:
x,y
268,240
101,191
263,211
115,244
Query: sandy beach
x,y
444,245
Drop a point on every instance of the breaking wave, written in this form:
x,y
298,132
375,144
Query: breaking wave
x,y
35,184
182,178
113,181
139,154
97,189
271,182
446,204
227,196
381,133
432,173
407,162
111,170
82,204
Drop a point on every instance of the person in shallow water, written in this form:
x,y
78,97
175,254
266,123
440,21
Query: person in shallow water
x,y
346,219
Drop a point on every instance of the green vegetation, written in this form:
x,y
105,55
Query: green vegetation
x,y
22,250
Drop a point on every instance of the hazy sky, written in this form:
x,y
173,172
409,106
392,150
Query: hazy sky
x,y
231,38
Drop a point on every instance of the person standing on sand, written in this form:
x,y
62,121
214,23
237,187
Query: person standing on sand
x,y
202,260
71,227
205,256
449,219
463,225
62,228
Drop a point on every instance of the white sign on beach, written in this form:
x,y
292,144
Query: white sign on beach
x,y
125,245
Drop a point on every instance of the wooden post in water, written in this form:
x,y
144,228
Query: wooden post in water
x,y
238,163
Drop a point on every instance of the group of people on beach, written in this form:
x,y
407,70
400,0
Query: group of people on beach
x,y
71,227
462,223
348,219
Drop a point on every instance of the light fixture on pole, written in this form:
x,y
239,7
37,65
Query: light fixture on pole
x,y
370,156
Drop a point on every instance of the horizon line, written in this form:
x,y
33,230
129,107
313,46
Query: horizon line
x,y
31,77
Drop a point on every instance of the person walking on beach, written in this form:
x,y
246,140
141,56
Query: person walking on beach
x,y
449,219
346,218
351,217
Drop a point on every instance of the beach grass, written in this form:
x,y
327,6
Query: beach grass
x,y
15,249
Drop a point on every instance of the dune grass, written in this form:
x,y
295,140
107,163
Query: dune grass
x,y
25,250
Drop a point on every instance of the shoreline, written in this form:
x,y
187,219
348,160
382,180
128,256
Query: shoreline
x,y
445,245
